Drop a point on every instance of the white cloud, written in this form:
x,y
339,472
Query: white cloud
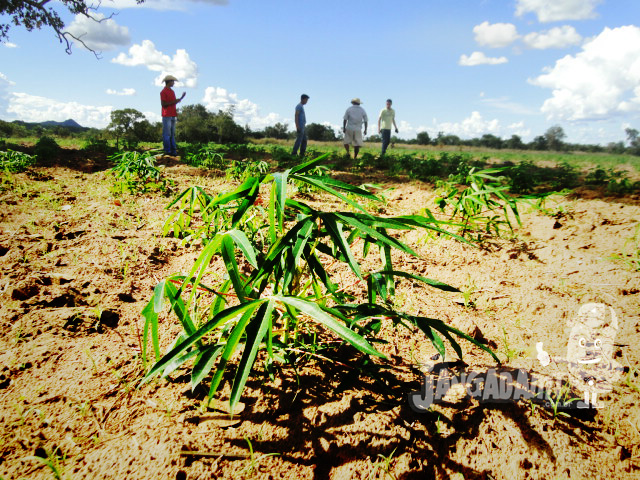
x,y
495,35
506,104
5,83
125,92
160,4
479,58
180,65
245,112
519,129
31,108
600,81
471,127
558,37
104,34
9,44
557,10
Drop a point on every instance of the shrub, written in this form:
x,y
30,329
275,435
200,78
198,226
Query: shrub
x,y
566,176
524,177
46,149
97,145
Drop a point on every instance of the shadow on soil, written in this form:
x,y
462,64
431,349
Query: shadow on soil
x,y
312,409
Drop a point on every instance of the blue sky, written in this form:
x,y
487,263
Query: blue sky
x,y
463,67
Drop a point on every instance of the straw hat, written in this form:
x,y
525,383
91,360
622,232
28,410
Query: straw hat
x,y
356,101
169,78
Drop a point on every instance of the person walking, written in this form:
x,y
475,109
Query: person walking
x,y
352,122
301,122
386,120
169,115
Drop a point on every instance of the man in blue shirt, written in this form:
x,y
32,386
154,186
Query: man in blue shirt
x,y
301,122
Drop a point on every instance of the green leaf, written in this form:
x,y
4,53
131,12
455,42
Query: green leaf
x,y
385,239
204,363
229,257
304,167
334,228
318,314
424,325
229,350
179,308
243,243
428,281
150,323
218,319
280,185
256,331
319,183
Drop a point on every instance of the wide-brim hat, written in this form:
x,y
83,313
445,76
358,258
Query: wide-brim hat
x,y
169,78
356,101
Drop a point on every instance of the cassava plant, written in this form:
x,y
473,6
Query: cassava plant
x,y
138,173
480,206
280,297
15,162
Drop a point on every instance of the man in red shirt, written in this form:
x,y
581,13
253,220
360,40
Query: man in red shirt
x,y
169,115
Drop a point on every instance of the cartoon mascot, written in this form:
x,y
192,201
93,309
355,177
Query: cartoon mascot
x,y
590,361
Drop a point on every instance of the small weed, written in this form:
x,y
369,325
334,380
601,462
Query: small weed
x,y
253,462
468,292
560,399
93,362
439,427
632,379
509,352
630,255
53,460
384,464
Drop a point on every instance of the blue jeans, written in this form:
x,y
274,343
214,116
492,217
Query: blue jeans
x,y
385,133
169,135
300,143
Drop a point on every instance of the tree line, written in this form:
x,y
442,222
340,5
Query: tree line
x,y
196,124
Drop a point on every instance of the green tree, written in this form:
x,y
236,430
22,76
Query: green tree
x,y
123,125
615,147
37,14
490,141
634,140
448,139
228,131
423,138
539,143
554,137
196,125
515,143
323,133
278,131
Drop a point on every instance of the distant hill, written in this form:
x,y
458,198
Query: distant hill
x,y
70,124
67,123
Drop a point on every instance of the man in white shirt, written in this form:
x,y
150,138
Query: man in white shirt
x,y
353,119
386,120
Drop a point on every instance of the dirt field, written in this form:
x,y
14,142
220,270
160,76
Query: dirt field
x,y
79,264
